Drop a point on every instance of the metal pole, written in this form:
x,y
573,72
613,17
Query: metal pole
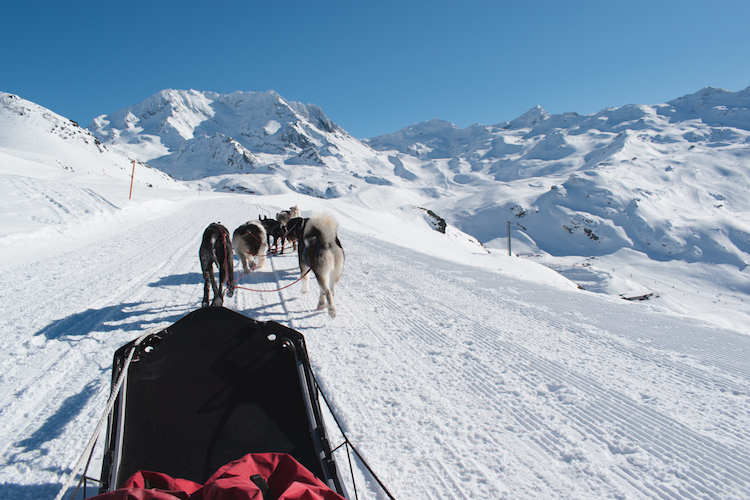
x,y
509,253
133,177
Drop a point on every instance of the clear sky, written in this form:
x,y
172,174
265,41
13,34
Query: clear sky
x,y
375,66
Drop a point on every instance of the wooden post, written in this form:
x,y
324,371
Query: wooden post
x,y
133,177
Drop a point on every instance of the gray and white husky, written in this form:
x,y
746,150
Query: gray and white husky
x,y
249,242
321,251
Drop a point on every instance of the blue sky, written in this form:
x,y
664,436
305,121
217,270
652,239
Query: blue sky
x,y
375,67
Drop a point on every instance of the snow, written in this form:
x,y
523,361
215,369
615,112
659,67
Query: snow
x,y
457,370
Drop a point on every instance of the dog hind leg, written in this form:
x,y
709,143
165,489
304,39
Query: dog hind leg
x,y
260,259
244,259
214,286
206,287
304,269
326,294
208,271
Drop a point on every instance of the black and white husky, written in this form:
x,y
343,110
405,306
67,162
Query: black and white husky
x,y
275,230
249,242
294,229
216,249
321,251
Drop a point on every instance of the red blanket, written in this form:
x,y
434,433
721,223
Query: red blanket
x,y
238,480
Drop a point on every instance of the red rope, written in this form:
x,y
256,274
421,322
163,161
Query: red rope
x,y
270,253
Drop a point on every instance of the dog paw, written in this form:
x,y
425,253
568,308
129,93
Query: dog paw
x,y
332,313
230,292
204,303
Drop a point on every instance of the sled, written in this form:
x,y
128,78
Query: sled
x,y
208,390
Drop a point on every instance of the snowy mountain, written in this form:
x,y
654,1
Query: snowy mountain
x,y
195,135
670,180
48,163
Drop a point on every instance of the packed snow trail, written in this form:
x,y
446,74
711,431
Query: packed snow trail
x,y
454,381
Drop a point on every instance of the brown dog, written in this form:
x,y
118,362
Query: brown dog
x,y
216,249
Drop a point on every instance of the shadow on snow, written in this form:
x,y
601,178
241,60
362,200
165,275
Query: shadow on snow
x,y
128,316
55,425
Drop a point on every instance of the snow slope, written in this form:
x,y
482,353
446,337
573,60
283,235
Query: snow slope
x,y
458,372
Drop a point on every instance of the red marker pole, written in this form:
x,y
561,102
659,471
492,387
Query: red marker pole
x,y
131,181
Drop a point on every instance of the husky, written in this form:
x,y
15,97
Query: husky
x,y
321,251
274,230
285,217
250,244
216,248
294,229
293,232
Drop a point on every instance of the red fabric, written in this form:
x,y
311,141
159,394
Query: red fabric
x,y
287,480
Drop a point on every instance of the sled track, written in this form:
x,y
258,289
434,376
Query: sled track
x,y
511,366
25,402
707,462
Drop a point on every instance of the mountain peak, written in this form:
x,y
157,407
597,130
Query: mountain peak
x,y
529,119
713,106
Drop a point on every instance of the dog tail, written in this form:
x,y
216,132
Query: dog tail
x,y
321,229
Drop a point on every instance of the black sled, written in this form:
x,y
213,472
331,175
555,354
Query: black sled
x,y
210,389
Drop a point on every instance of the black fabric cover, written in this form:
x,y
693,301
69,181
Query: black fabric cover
x,y
209,389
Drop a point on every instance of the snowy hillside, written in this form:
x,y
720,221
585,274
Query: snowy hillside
x,y
458,371
669,180
656,184
48,165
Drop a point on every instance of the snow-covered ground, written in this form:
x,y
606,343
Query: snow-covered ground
x,y
456,372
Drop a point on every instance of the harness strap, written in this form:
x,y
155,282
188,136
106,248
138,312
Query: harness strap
x,y
262,486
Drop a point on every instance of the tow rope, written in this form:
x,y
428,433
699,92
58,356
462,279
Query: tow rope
x,y
277,289
236,287
349,446
89,450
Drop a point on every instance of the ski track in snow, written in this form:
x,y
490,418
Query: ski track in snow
x,y
454,381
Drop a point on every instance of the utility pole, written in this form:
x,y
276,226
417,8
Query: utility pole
x,y
509,253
